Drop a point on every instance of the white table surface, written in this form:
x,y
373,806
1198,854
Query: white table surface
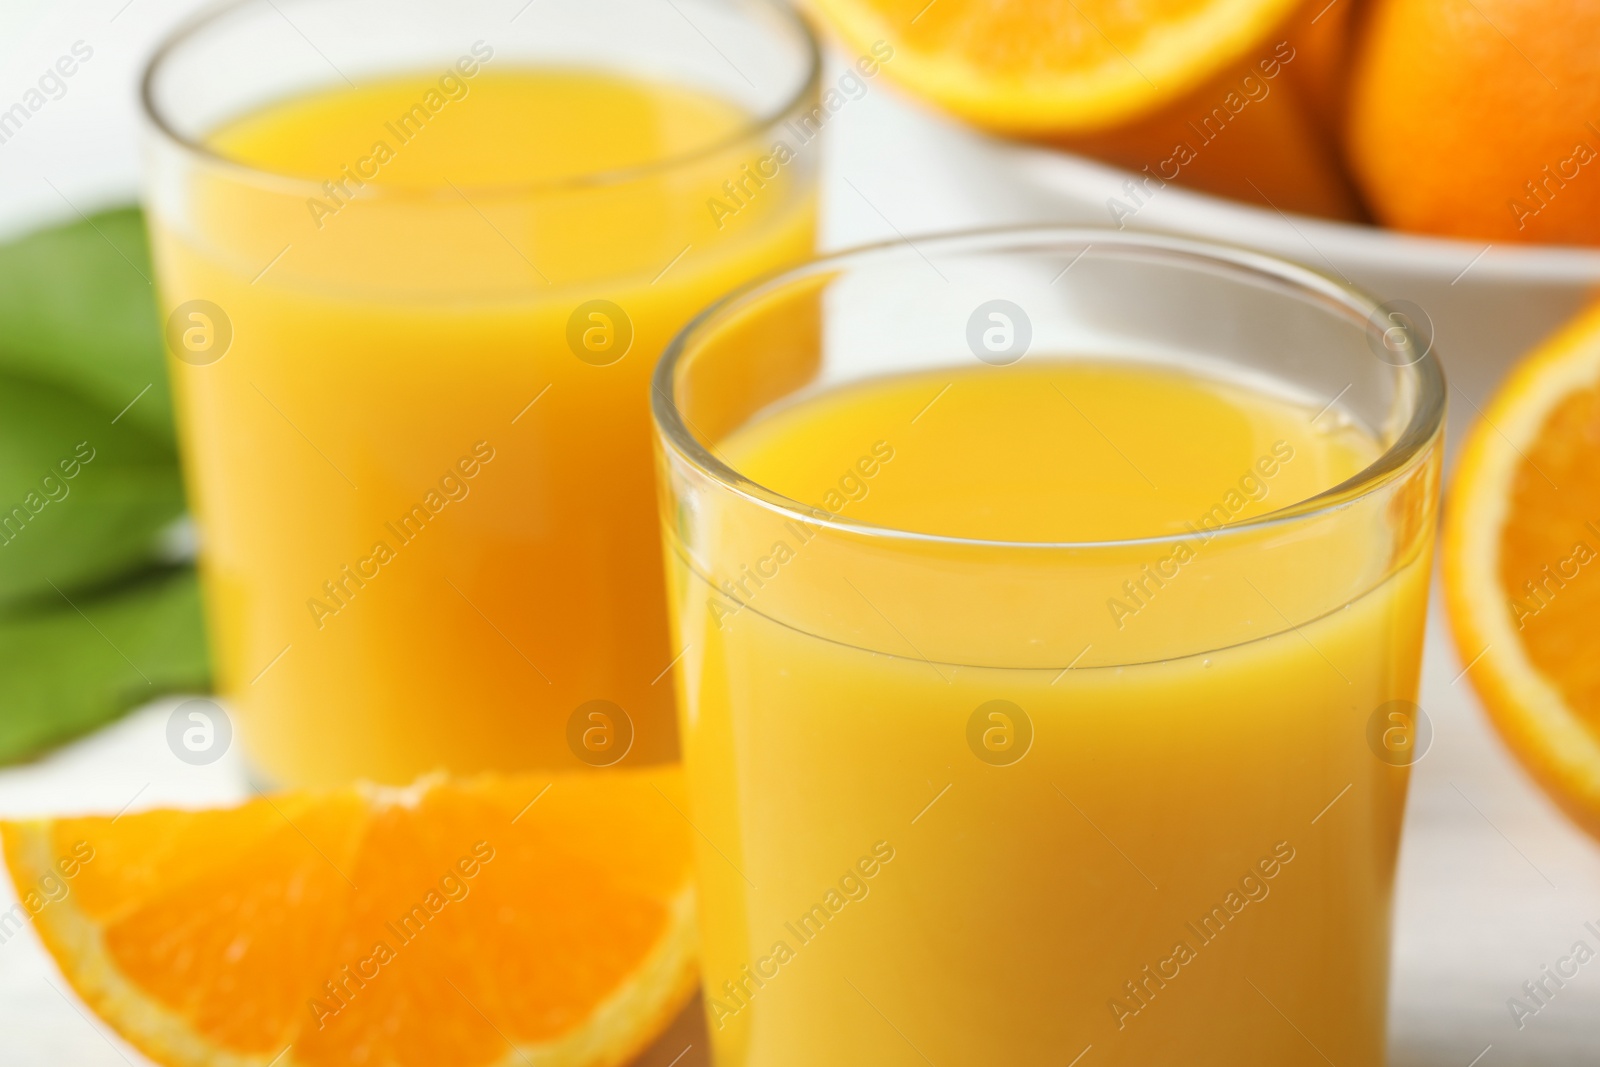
x,y
1493,882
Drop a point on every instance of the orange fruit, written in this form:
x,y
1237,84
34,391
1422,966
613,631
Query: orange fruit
x,y
1247,113
1522,564
1322,35
500,921
1479,118
1053,67
1247,134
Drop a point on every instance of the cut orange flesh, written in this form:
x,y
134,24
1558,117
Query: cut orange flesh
x,y
517,920
1522,564
1053,66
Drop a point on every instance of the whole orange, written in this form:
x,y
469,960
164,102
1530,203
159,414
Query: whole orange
x,y
1479,118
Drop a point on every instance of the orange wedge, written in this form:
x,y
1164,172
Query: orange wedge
x,y
1053,66
508,921
1522,564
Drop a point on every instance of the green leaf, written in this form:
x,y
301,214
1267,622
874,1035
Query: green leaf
x,y
77,310
66,667
90,625
82,498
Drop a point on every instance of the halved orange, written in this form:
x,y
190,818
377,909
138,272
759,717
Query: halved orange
x,y
1052,66
505,921
1522,564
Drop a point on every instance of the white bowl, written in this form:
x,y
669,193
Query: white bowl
x,y
902,170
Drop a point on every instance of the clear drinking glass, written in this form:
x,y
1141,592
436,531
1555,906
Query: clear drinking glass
x,y
957,808
412,329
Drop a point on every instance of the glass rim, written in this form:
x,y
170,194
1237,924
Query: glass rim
x,y
1425,424
757,124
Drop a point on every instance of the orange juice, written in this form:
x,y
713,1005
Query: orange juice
x,y
935,831
420,461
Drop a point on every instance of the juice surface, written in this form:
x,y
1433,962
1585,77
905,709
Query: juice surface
x,y
523,128
1162,860
422,467
1042,452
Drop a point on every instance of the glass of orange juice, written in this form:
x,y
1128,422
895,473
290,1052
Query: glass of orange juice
x,y
416,262
1053,603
